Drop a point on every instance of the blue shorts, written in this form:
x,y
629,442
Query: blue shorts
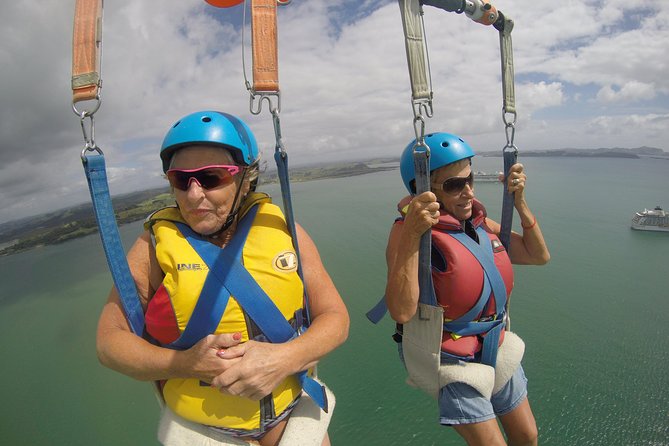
x,y
460,403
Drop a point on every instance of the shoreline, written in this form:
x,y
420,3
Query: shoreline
x,y
79,221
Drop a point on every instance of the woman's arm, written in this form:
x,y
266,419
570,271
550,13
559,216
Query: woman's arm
x,y
402,288
329,316
263,365
121,350
528,248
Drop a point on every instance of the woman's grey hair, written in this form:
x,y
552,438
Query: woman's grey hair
x,y
254,169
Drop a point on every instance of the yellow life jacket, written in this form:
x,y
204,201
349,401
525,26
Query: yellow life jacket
x,y
269,256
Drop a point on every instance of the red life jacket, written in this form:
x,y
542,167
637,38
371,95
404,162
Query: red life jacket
x,y
459,286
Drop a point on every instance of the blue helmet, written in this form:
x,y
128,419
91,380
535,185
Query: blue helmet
x,y
444,149
211,128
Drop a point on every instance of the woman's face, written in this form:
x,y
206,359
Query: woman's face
x,y
205,210
458,204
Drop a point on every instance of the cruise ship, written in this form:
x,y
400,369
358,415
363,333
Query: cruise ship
x,y
651,220
486,177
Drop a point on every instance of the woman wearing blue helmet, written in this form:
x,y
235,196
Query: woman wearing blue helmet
x,y
218,279
474,370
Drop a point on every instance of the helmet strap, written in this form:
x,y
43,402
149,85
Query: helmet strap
x,y
235,206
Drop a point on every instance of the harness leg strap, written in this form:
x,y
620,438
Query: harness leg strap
x,y
308,424
421,347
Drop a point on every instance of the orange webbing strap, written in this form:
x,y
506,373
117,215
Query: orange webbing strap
x,y
86,41
264,40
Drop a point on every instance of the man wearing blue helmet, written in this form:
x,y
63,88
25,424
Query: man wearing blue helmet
x,y
224,301
474,370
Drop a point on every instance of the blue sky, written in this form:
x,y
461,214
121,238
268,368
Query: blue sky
x,y
588,74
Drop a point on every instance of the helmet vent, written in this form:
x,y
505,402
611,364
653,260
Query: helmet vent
x,y
176,124
444,144
206,119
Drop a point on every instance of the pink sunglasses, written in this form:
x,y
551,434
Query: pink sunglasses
x,y
207,177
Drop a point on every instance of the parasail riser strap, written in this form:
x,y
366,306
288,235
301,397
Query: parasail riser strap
x,y
94,166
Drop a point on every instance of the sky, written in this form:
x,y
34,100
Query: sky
x,y
589,74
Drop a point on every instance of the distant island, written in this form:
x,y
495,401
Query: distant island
x,y
616,152
78,221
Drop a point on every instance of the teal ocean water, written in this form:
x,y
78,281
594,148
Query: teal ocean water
x,y
594,319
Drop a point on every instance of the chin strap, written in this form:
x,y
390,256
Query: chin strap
x,y
232,215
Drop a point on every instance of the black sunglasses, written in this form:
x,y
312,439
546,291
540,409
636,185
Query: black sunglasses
x,y
456,185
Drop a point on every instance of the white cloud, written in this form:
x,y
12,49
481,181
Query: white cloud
x,y
581,65
540,95
654,124
631,91
592,42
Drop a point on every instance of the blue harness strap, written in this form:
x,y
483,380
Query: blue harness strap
x,y
281,158
426,287
213,298
506,220
378,311
96,175
466,324
226,267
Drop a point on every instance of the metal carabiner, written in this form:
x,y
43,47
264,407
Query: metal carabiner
x,y
277,131
419,130
509,127
89,134
510,131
